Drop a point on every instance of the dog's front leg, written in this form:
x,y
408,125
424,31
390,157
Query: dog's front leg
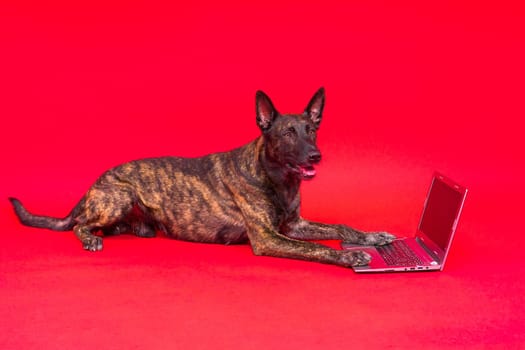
x,y
267,241
309,230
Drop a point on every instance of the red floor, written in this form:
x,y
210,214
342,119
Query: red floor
x,y
412,87
159,293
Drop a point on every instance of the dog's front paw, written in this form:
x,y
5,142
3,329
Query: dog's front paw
x,y
378,238
349,258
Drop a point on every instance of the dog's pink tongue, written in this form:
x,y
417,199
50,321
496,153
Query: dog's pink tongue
x,y
307,171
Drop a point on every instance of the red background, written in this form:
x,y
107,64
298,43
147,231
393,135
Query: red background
x,y
412,87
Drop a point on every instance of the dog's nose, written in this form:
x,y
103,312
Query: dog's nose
x,y
314,157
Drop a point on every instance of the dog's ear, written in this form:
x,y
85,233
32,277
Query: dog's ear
x,y
266,112
314,110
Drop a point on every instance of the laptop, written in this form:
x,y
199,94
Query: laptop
x,y
428,250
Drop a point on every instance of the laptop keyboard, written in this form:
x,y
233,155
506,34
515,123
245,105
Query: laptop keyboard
x,y
398,253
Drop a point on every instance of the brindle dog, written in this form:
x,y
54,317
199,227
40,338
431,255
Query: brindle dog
x,y
248,194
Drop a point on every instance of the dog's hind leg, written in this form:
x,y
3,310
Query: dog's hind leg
x,y
143,229
105,209
138,227
89,240
116,229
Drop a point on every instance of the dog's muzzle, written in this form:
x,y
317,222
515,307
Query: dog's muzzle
x,y
307,171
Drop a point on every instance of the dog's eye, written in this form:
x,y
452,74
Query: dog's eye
x,y
310,131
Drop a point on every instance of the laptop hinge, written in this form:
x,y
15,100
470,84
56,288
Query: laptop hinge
x,y
428,250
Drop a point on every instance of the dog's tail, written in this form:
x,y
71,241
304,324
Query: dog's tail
x,y
48,222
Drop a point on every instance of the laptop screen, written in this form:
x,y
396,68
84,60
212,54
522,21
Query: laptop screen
x,y
442,208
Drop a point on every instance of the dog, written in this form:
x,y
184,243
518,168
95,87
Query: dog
x,y
249,194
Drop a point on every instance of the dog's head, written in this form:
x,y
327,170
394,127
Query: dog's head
x,y
290,139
